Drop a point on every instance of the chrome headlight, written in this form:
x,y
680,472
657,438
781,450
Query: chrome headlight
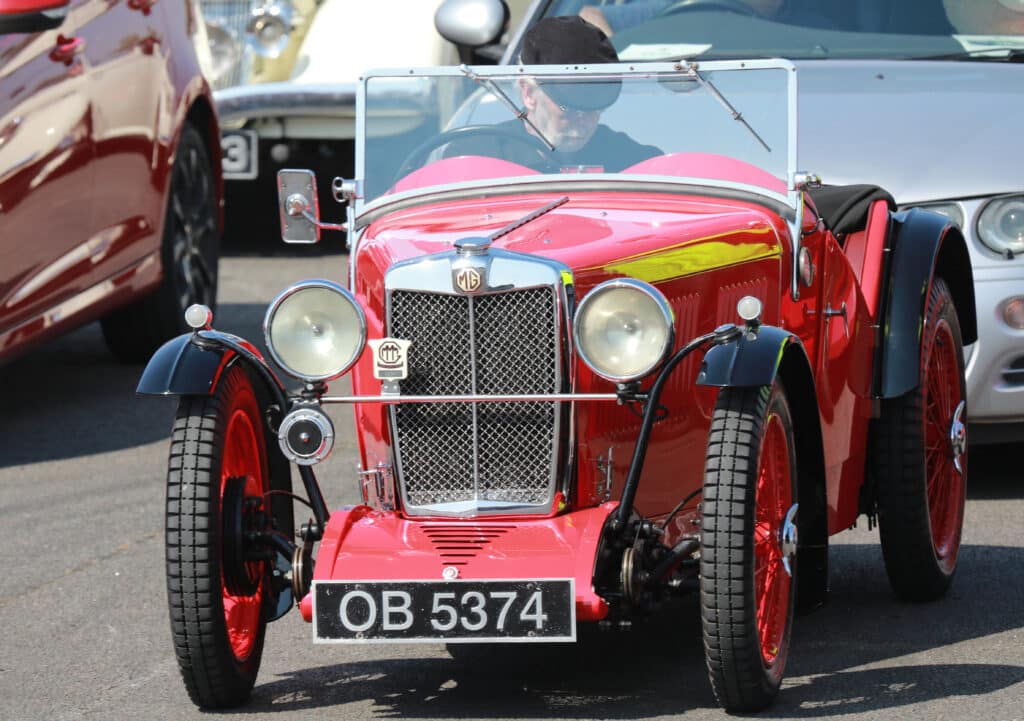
x,y
268,28
315,330
1001,225
623,329
225,52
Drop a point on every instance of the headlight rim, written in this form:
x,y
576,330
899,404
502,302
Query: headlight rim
x,y
291,290
650,291
1006,250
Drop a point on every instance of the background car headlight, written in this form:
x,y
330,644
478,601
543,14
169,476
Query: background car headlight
x,y
950,210
225,51
268,28
1001,225
623,329
315,330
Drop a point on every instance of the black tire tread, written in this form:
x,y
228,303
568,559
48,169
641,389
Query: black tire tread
x,y
903,517
732,647
212,676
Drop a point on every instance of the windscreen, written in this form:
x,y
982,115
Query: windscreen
x,y
731,123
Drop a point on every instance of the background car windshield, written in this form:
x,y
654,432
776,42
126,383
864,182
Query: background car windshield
x,y
803,29
422,129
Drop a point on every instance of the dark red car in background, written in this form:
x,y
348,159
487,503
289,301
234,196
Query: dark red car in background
x,y
110,181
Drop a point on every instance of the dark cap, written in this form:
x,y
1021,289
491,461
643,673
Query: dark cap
x,y
571,40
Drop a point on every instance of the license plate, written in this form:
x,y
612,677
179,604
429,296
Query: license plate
x,y
238,154
451,611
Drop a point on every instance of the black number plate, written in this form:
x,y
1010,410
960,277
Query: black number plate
x,y
238,154
348,611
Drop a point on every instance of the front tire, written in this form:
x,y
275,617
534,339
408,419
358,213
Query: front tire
x,y
219,595
920,443
747,537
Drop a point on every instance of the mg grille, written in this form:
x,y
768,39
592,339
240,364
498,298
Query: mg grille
x,y
478,453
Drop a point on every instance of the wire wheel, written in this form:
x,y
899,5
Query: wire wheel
x,y
748,545
218,588
921,461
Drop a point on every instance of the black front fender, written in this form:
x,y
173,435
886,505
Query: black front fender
x,y
182,368
193,363
752,359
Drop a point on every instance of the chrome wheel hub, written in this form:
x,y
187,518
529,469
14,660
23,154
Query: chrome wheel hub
x,y
788,539
958,437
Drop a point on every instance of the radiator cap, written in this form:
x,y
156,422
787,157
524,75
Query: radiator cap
x,y
473,245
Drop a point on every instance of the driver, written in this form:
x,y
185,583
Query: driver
x,y
567,115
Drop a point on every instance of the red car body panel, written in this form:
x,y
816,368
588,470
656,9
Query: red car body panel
x,y
703,254
89,114
360,543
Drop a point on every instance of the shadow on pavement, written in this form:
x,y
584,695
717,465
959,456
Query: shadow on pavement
x,y
848,657
71,398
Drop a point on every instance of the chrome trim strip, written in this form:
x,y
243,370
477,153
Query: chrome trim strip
x,y
285,99
593,182
398,399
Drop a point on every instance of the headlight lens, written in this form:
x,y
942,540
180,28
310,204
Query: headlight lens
x,y
225,52
315,330
623,329
950,210
268,28
1001,225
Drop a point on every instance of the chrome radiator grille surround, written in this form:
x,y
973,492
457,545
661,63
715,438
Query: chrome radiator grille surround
x,y
477,458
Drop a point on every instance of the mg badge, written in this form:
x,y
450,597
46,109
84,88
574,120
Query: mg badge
x,y
390,358
468,280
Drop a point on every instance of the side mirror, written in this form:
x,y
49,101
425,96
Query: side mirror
x,y
471,23
299,208
297,202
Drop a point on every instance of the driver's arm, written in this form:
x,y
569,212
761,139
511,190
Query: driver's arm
x,y
612,18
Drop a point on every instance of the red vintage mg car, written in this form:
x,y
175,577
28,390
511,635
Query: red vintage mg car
x,y
584,381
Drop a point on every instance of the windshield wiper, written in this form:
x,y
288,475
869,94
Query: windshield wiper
x,y
736,114
497,92
1009,55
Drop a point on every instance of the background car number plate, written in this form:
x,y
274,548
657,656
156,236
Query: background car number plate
x,y
238,154
354,611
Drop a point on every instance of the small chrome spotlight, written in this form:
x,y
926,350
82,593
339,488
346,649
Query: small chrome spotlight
x,y
306,436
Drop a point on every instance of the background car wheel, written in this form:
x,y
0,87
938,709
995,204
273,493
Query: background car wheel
x,y
219,596
921,462
747,596
189,254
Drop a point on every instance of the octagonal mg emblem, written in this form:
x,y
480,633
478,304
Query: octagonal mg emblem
x,y
390,358
468,280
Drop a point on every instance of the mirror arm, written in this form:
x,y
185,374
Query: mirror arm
x,y
320,224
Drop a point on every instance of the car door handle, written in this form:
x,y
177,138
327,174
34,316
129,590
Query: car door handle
x,y
66,49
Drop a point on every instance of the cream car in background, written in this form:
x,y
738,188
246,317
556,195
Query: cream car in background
x,y
306,118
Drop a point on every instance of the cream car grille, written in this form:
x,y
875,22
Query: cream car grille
x,y
478,458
